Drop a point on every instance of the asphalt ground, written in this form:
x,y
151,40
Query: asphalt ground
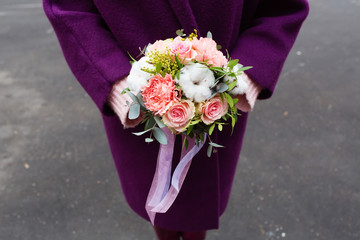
x,y
297,178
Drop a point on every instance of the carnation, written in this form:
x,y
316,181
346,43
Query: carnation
x,y
137,77
196,81
207,51
159,93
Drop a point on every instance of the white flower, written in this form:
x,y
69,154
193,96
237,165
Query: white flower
x,y
137,78
196,80
241,85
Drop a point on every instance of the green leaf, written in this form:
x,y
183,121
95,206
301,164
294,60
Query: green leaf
x,y
209,150
233,121
222,87
125,90
149,140
160,136
134,111
244,69
232,85
158,67
222,97
180,32
201,137
232,63
186,143
209,35
211,129
229,99
218,47
215,144
133,59
235,100
159,122
141,133
220,127
190,128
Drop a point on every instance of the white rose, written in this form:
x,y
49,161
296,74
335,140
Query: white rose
x,y
137,78
196,80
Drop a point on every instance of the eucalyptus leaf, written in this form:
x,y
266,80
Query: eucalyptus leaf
x,y
215,144
149,140
209,150
160,136
222,87
212,95
150,123
159,122
197,142
133,97
140,98
209,35
141,133
134,111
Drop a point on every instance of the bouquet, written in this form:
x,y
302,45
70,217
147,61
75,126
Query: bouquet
x,y
182,86
187,85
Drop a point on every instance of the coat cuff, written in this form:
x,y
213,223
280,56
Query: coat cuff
x,y
247,100
117,101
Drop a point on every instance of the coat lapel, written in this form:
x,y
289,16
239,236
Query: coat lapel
x,y
184,14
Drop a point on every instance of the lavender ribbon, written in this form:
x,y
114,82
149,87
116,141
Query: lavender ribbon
x,y
160,196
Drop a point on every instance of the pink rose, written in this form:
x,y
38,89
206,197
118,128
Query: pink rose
x,y
179,115
182,48
206,50
158,93
213,109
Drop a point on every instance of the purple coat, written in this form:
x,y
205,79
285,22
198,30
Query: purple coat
x,y
96,37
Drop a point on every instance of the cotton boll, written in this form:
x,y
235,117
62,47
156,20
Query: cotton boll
x,y
196,80
136,82
196,93
241,86
137,78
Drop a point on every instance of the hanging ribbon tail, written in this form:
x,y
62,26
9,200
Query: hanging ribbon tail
x,y
161,197
161,180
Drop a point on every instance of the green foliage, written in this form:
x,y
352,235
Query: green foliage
x,y
134,111
160,135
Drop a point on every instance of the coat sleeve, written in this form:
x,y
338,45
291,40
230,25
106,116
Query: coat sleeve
x,y
267,41
90,49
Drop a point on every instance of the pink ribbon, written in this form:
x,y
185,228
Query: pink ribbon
x,y
160,196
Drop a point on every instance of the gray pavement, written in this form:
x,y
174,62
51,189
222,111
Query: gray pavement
x,y
298,175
